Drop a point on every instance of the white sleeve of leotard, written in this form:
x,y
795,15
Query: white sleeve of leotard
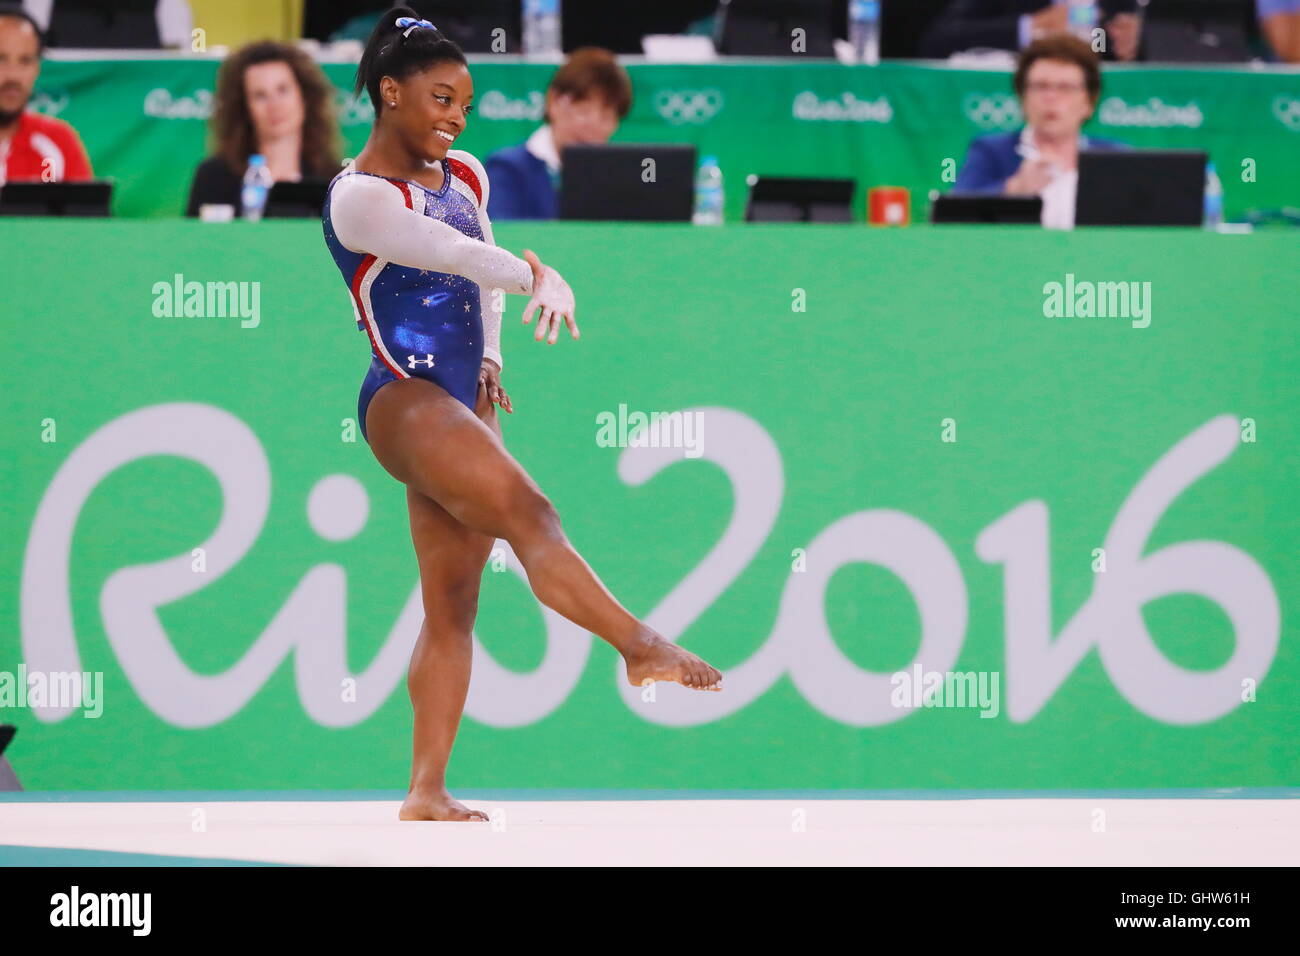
x,y
369,215
491,297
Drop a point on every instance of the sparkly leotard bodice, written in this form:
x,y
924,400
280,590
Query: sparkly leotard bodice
x,y
419,285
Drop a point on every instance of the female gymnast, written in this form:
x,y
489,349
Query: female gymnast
x,y
407,225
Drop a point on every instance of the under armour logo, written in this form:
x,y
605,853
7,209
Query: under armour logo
x,y
412,361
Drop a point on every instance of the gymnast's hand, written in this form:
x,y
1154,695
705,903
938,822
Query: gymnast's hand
x,y
555,298
489,378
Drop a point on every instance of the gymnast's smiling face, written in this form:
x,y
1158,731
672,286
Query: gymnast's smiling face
x,y
429,108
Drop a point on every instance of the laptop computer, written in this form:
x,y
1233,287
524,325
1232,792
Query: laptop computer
x,y
56,199
785,199
652,182
301,200
1140,187
1023,210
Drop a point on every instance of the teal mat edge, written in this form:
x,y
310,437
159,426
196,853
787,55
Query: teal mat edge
x,y
14,855
214,796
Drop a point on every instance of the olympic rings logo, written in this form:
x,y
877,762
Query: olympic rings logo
x,y
48,104
1287,110
992,111
353,110
688,106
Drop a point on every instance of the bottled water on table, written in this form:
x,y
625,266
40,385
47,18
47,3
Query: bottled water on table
x,y
257,183
708,193
1083,18
864,30
542,27
1213,198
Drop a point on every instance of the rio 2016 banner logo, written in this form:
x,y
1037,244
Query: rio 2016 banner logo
x,y
311,625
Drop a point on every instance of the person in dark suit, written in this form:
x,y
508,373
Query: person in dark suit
x,y
1058,81
1279,21
586,99
1014,24
271,99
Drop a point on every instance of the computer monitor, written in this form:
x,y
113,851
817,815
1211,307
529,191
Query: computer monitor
x,y
785,199
767,28
971,208
1197,31
480,26
56,199
304,199
93,24
1148,187
653,182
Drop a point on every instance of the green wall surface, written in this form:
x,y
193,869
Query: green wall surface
x,y
905,459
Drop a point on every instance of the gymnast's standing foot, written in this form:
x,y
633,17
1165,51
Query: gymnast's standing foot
x,y
436,803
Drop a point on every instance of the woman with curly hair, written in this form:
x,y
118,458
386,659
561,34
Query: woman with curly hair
x,y
274,100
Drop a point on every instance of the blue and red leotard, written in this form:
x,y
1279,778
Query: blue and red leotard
x,y
426,280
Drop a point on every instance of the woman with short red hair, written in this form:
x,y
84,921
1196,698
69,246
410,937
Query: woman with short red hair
x,y
585,101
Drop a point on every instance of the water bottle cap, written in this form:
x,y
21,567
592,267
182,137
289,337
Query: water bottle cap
x,y
257,159
709,161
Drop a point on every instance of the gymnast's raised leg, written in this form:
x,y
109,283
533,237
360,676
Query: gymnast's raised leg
x,y
464,490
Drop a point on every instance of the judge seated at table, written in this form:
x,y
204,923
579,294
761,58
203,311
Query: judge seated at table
x,y
274,100
588,96
1058,81
33,147
1014,24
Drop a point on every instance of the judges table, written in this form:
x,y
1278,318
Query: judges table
x,y
900,124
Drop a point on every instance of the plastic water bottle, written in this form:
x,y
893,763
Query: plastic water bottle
x,y
708,193
257,183
1213,198
1082,15
542,27
864,30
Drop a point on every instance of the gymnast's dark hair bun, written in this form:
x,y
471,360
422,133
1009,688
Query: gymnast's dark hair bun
x,y
400,51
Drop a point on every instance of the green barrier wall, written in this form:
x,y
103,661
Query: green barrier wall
x,y
900,124
902,460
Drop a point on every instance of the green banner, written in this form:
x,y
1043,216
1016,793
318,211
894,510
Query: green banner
x,y
1057,471
897,124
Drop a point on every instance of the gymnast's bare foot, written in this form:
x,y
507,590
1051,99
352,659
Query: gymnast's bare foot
x,y
436,805
657,659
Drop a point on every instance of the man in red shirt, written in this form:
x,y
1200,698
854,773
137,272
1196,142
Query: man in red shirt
x,y
32,146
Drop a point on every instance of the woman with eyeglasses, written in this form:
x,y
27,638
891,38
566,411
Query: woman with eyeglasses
x,y
407,225
1058,81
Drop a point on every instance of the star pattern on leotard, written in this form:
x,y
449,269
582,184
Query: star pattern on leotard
x,y
434,334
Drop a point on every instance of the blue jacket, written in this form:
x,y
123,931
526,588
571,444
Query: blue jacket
x,y
992,160
519,186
